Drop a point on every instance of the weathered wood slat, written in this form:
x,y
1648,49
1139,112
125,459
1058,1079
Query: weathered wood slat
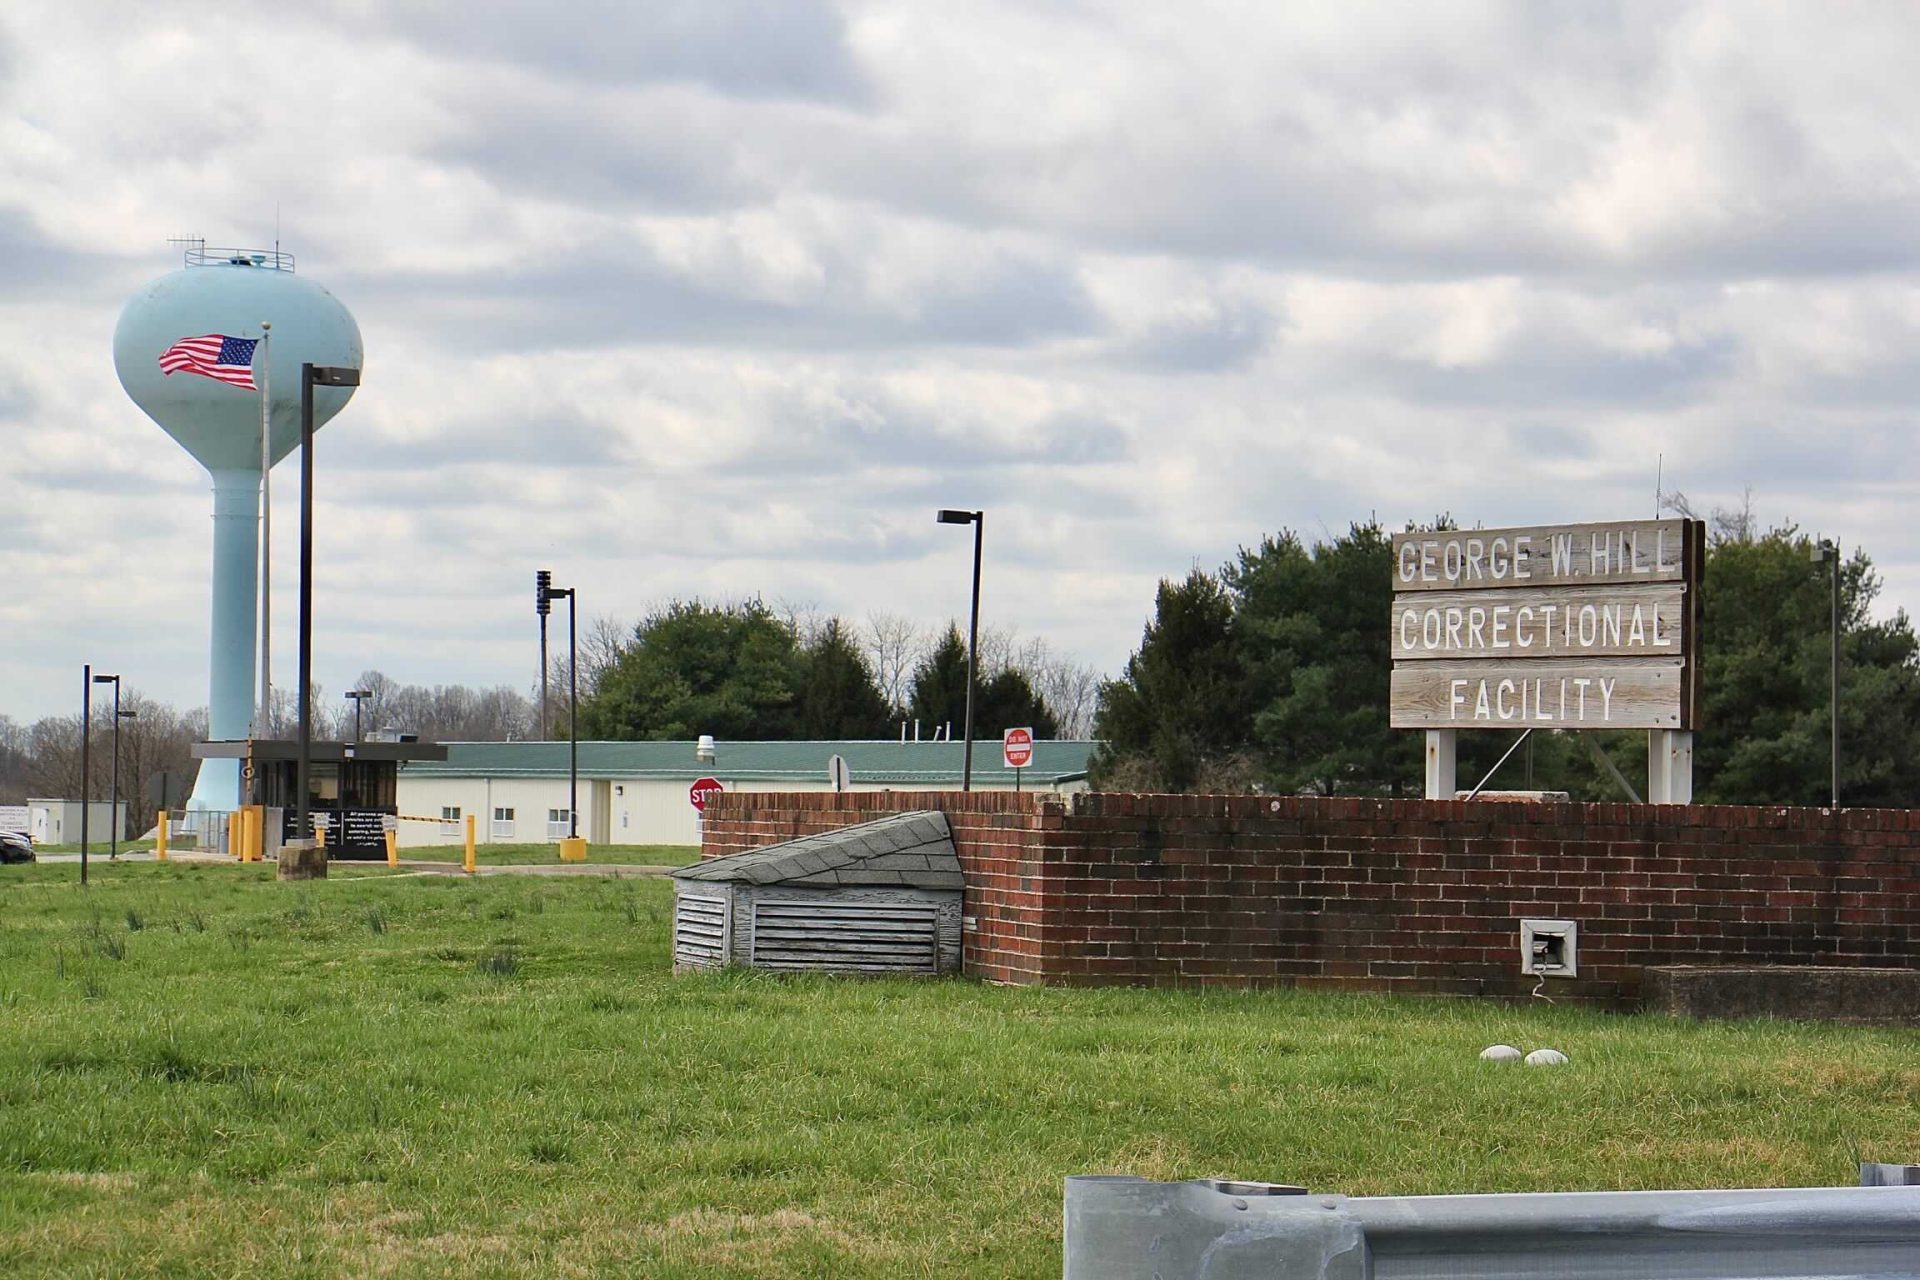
x,y
1565,623
1614,693
825,909
849,967
846,936
700,932
1541,556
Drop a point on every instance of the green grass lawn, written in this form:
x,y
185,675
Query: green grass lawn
x,y
662,855
659,855
204,1072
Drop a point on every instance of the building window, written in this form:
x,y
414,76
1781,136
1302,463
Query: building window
x,y
557,824
502,822
449,819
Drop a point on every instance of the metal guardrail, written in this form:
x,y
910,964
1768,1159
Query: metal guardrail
x,y
1133,1229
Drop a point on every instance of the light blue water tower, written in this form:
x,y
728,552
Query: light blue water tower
x,y
187,351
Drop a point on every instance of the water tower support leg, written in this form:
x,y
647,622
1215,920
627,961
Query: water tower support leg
x,y
230,696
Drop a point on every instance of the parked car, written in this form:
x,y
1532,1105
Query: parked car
x,y
15,847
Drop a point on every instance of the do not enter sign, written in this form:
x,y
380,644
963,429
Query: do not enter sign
x,y
698,793
1016,748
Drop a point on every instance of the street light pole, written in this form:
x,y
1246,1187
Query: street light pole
x,y
119,819
573,709
543,605
114,806
978,519
357,696
311,376
1829,551
86,760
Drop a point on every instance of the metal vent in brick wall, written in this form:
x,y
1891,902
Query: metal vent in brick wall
x,y
867,937
700,932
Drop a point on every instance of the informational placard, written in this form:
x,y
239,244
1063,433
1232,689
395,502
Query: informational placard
x,y
1570,627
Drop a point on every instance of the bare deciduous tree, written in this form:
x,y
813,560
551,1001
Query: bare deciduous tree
x,y
895,645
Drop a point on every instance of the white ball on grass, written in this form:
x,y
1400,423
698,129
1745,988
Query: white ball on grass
x,y
1499,1053
1546,1058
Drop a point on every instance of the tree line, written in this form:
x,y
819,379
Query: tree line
x,y
735,670
1272,674
43,759
743,669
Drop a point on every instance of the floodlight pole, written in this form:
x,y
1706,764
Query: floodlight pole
x,y
311,375
86,759
978,519
1829,551
573,701
265,712
357,696
1833,692
113,803
573,717
543,605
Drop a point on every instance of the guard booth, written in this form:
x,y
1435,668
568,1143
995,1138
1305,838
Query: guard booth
x,y
352,786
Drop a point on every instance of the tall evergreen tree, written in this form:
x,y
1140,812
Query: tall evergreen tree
x,y
1764,737
730,670
838,695
1004,700
1311,631
1182,700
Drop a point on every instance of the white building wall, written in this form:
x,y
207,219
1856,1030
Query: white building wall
x,y
639,811
58,821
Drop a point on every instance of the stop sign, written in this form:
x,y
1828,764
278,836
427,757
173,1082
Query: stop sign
x,y
1016,748
698,793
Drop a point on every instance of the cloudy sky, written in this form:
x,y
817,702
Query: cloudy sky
x,y
726,297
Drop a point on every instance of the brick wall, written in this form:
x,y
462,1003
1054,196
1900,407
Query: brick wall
x,y
1398,895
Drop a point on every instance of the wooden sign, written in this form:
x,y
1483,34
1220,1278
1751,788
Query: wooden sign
x,y
1541,556
1565,622
1592,626
1620,693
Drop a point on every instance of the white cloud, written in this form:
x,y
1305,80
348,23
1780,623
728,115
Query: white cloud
x,y
728,298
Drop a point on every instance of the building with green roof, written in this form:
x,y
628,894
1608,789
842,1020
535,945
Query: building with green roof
x,y
640,792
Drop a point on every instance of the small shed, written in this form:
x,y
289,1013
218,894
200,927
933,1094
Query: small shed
x,y
879,897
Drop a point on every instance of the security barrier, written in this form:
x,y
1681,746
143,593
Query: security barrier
x,y
1133,1229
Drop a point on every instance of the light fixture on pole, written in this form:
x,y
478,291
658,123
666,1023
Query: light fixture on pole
x,y
311,376
549,593
978,519
358,696
1828,552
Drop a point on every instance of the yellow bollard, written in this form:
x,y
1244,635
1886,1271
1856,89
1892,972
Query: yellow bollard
x,y
469,861
160,838
393,848
234,846
319,832
256,832
573,849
